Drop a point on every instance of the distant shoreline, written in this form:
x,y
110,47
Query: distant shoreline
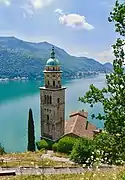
x,y
6,79
13,79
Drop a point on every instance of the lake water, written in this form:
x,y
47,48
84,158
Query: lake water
x,y
17,97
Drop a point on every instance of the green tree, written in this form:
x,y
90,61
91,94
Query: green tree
x,y
112,97
82,150
2,151
118,16
106,144
31,133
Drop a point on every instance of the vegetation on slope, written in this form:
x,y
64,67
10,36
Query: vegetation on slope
x,y
25,59
2,151
112,174
112,97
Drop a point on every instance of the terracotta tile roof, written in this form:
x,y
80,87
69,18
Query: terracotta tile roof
x,y
80,113
77,125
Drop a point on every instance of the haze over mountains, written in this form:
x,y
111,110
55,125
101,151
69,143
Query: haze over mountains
x,y
26,59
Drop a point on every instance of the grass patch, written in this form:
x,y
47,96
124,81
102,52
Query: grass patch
x,y
30,159
22,156
43,162
116,174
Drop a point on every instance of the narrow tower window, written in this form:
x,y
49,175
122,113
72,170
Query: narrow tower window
x,y
58,100
50,99
54,83
59,84
48,83
47,99
48,124
47,118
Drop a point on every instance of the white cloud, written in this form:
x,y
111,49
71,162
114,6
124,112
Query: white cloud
x,y
38,4
103,56
60,11
6,2
107,55
73,20
32,5
27,10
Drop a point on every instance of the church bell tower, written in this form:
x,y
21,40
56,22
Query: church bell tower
x,y
52,100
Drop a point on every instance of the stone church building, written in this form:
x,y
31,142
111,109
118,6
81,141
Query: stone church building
x,y
52,107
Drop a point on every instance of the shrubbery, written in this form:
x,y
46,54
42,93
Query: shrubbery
x,y
112,97
2,151
106,144
82,150
111,148
42,145
104,148
50,143
66,144
54,147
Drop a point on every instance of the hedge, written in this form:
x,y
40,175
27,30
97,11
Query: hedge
x,y
42,145
66,144
54,147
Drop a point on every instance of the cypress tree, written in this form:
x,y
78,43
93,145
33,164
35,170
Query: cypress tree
x,y
31,133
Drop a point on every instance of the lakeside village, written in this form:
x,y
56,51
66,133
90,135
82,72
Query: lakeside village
x,y
77,75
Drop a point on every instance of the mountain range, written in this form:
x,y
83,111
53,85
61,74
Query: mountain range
x,y
19,58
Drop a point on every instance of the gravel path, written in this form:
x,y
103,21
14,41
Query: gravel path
x,y
50,155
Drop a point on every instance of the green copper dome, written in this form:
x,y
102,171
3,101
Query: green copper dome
x,y
52,61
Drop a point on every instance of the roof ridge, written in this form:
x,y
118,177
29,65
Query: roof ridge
x,y
75,123
80,113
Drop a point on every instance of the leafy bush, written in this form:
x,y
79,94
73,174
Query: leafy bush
x,y
50,143
113,151
82,150
66,144
106,144
2,151
54,147
42,144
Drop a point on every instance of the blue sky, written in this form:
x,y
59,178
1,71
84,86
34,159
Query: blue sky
x,y
78,26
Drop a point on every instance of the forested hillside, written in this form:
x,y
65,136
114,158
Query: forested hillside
x,y
26,59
